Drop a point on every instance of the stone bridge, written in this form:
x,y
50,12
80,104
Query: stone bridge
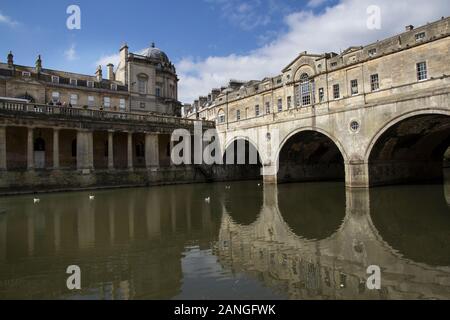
x,y
398,136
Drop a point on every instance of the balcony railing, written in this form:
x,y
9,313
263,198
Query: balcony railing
x,y
19,106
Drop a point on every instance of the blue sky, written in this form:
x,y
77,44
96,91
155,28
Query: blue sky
x,y
209,41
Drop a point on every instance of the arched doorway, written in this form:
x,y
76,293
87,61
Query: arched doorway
x,y
411,151
310,156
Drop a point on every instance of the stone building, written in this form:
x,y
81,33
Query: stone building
x,y
142,83
371,115
333,80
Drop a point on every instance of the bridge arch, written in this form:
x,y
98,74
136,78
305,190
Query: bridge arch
x,y
409,148
310,154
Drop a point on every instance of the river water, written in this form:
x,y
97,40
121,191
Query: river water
x,y
291,241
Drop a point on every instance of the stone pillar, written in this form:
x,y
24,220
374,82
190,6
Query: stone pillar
x,y
269,173
2,148
85,154
56,149
110,150
30,149
130,151
357,174
151,150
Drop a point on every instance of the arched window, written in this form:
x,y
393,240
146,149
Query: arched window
x,y
39,144
221,116
305,90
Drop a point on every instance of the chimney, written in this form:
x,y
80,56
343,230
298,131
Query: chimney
x,y
110,72
10,60
39,64
409,28
99,73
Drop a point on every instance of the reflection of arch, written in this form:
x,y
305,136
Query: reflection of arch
x,y
409,148
39,144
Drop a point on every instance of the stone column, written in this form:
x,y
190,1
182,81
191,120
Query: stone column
x,y
130,151
30,149
269,173
110,150
56,149
357,174
85,150
151,150
2,148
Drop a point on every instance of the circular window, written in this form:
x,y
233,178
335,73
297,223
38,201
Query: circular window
x,y
354,126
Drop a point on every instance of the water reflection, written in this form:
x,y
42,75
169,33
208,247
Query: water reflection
x,y
291,241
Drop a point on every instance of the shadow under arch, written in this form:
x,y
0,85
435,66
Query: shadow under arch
x,y
241,161
311,154
410,149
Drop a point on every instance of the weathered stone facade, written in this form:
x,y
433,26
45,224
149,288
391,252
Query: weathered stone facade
x,y
373,115
145,83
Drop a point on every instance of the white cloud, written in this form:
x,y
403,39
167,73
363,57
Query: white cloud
x,y
105,59
71,53
8,21
334,29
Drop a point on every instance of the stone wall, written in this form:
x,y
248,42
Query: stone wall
x,y
36,181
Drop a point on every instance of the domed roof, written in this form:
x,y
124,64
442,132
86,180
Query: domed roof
x,y
155,53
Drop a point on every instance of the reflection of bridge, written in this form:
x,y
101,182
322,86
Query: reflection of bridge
x,y
334,267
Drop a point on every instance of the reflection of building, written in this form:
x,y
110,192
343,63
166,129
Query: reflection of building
x,y
144,82
329,268
128,244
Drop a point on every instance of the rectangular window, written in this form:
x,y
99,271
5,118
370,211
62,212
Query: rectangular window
x,y
73,99
113,86
142,105
257,110
334,64
336,92
122,104
107,102
73,82
221,118
372,52
420,36
90,84
374,82
91,101
280,105
354,87
142,85
26,74
267,107
238,115
158,92
55,79
422,71
55,96
321,95
289,102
